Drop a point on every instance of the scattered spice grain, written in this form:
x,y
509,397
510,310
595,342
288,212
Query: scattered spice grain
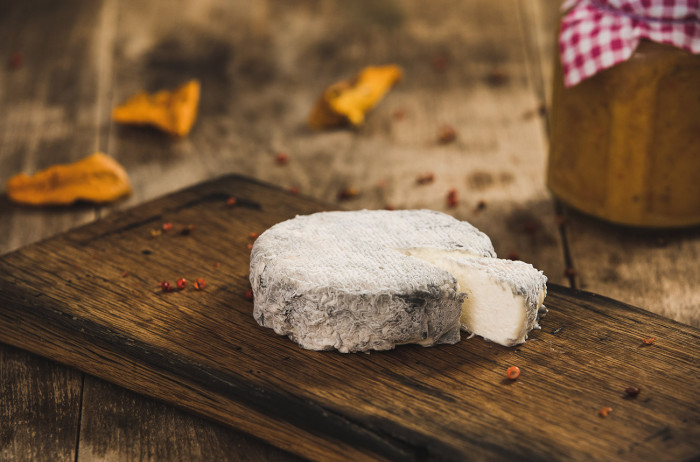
x,y
452,199
446,134
281,158
530,227
513,372
16,60
347,194
439,62
497,77
481,205
399,114
425,178
632,391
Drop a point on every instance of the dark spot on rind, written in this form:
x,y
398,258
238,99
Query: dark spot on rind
x,y
414,300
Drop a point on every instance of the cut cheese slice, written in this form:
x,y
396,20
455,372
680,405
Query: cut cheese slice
x,y
503,296
371,280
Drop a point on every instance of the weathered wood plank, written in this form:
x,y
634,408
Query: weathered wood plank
x,y
50,104
122,425
657,270
39,407
541,23
50,114
203,351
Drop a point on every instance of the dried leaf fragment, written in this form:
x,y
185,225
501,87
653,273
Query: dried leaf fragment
x,y
96,178
348,101
171,111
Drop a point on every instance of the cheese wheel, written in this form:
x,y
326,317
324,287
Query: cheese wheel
x,y
367,280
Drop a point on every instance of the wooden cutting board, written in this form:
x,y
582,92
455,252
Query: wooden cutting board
x,y
90,298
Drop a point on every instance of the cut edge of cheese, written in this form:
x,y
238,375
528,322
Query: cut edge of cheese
x,y
503,297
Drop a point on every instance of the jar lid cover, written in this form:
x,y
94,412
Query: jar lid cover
x,y
597,34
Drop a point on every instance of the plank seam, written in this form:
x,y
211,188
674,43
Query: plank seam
x,y
533,60
80,416
560,211
538,84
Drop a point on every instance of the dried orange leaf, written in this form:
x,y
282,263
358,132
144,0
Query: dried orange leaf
x,y
97,178
171,111
348,101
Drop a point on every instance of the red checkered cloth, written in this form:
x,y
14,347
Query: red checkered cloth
x,y
597,34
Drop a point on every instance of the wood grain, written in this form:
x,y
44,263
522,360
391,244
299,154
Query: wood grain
x,y
50,106
50,113
654,269
39,407
203,351
123,425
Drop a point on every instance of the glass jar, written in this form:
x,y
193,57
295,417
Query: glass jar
x,y
625,143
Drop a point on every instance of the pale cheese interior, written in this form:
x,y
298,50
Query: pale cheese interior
x,y
492,309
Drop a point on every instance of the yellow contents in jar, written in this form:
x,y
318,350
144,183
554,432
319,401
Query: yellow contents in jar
x,y
625,143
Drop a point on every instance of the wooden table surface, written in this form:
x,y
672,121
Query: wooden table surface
x,y
481,67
